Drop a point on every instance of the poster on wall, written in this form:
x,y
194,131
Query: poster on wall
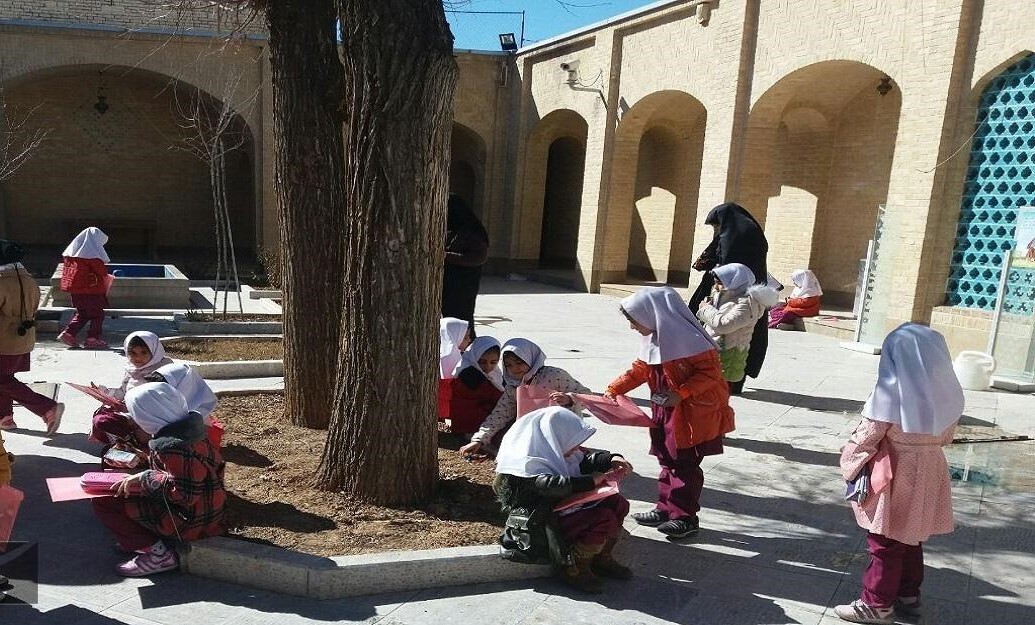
x,y
1024,239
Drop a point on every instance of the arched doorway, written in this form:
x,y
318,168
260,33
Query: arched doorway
x,y
127,163
467,167
817,166
555,163
657,173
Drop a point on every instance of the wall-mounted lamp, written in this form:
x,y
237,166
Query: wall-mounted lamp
x,y
508,43
572,68
884,86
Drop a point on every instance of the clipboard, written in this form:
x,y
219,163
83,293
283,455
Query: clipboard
x,y
97,394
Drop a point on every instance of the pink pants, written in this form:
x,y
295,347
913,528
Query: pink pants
x,y
895,570
679,486
594,526
88,309
128,533
14,390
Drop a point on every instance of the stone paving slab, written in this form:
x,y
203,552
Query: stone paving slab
x,y
777,546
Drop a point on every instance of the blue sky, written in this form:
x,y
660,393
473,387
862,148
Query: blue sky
x,y
543,18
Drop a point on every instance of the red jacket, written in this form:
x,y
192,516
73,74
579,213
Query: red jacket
x,y
473,398
803,306
705,412
84,276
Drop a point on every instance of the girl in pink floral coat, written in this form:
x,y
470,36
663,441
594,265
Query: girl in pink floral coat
x,y
910,415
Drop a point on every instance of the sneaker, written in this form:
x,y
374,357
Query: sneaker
x,y
7,423
53,419
149,564
786,327
679,528
92,343
908,606
68,339
859,612
653,518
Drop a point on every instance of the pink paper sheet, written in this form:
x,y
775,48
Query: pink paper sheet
x,y
68,489
104,398
531,398
622,411
603,491
10,500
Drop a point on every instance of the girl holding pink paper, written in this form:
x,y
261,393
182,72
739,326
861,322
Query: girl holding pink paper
x,y
689,403
540,464
84,276
524,365
910,415
145,355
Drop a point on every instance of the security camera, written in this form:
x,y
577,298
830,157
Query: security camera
x,y
570,66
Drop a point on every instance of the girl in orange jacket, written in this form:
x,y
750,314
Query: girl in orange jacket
x,y
689,403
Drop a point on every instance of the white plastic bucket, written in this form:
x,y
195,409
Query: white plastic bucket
x,y
974,370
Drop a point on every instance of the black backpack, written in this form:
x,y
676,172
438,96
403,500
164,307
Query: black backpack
x,y
529,537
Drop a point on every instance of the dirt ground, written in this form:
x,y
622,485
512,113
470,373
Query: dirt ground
x,y
201,317
270,464
212,350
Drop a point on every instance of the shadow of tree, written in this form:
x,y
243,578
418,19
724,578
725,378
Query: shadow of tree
x,y
784,450
245,456
274,514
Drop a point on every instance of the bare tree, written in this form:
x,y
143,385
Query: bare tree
x,y
19,138
211,130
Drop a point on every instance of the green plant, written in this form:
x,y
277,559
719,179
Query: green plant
x,y
269,260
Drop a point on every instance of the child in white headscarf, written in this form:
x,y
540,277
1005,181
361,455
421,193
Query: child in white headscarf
x,y
185,379
689,403
541,462
182,493
730,314
84,276
523,364
803,301
477,386
145,354
911,413
454,337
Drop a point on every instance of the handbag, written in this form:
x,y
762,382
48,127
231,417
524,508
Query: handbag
x,y
529,537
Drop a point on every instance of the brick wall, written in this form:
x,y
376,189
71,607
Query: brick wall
x,y
134,14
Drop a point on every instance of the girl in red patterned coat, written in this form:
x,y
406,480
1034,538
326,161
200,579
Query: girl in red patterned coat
x,y
84,275
180,498
477,386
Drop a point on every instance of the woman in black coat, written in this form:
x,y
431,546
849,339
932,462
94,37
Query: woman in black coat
x,y
467,248
738,239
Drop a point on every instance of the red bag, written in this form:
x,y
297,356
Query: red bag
x,y
445,397
216,429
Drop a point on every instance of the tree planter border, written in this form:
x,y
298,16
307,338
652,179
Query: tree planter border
x,y
208,328
232,369
300,574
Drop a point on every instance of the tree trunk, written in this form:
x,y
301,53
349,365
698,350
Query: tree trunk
x,y
400,79
308,114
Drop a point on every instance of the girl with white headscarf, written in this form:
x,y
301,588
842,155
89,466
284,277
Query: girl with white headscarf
x,y
477,386
182,493
690,409
84,276
185,379
454,337
803,301
730,315
910,415
541,462
524,364
145,355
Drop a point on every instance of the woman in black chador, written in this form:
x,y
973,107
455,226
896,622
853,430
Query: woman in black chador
x,y
467,248
738,239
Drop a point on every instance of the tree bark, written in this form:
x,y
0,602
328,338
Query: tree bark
x,y
308,114
400,79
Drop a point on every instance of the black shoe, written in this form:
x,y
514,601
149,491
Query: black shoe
x,y
653,518
679,528
736,388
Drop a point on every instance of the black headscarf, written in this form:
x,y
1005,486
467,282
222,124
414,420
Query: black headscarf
x,y
459,216
467,249
739,239
10,252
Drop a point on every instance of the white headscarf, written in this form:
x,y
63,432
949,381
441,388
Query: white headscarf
x,y
916,389
536,444
475,351
153,345
676,333
155,405
88,244
805,284
528,352
195,390
735,278
451,332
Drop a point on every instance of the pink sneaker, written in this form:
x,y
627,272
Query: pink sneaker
x,y
92,343
68,339
7,423
148,564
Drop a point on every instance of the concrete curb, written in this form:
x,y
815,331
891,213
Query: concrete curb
x,y
238,392
303,575
265,294
230,327
222,370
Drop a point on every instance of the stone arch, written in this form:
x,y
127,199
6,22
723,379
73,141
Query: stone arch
x,y
555,158
817,166
121,165
655,182
467,167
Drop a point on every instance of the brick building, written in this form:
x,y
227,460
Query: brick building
x,y
811,114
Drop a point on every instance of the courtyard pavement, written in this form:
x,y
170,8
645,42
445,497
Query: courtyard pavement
x,y
777,544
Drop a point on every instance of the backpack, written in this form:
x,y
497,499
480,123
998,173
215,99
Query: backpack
x,y
529,537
